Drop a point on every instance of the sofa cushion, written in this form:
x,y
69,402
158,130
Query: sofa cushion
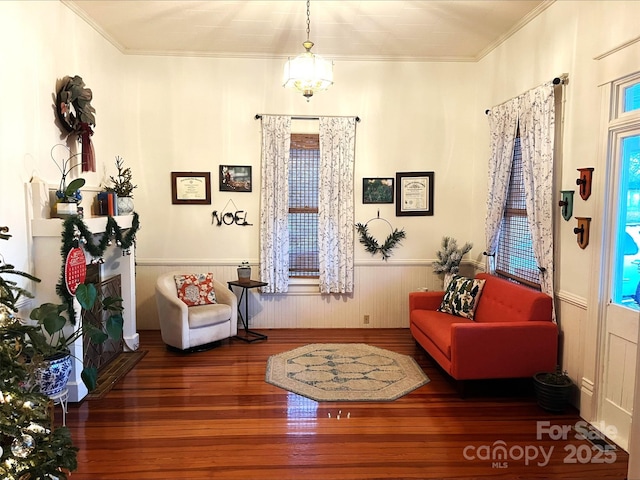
x,y
437,326
462,297
505,301
205,315
196,289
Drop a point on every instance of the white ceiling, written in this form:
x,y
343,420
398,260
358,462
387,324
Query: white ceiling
x,y
428,30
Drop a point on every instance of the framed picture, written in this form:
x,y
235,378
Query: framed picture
x,y
191,188
235,178
414,193
377,190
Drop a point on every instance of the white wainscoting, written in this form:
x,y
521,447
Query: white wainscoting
x,y
571,311
381,291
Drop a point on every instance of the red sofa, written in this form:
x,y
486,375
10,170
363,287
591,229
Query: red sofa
x,y
511,336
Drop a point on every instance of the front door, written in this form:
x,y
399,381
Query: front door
x,y
622,311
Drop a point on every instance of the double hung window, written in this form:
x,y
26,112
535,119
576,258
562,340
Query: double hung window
x,y
515,259
304,159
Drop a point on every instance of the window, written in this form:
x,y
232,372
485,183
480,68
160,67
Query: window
x,y
304,157
625,97
515,259
631,97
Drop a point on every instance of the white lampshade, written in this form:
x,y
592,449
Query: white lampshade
x,y
308,73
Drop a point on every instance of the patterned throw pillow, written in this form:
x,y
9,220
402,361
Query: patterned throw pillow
x,y
196,289
462,296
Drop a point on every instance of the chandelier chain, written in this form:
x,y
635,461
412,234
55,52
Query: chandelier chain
x,y
308,18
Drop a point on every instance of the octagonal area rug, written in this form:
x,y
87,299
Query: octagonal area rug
x,y
330,372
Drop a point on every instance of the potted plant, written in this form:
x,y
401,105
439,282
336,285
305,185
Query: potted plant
x,y
122,187
68,196
244,272
54,346
553,390
449,258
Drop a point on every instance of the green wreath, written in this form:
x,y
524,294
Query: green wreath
x,y
73,105
371,244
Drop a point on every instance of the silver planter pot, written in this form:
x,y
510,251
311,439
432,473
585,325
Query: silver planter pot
x,y
125,205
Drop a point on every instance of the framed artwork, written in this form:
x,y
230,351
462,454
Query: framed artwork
x,y
191,188
414,193
235,178
377,190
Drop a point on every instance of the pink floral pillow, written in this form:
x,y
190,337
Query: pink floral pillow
x,y
196,289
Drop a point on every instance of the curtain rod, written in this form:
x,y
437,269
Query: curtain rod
x,y
307,117
561,80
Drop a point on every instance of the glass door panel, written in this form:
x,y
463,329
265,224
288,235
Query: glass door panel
x,y
626,285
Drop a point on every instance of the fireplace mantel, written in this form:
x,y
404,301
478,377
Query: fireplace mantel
x,y
52,227
47,241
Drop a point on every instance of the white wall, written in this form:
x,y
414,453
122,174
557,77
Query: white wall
x,y
41,42
195,114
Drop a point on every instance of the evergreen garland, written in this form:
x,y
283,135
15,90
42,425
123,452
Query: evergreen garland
x,y
70,241
371,244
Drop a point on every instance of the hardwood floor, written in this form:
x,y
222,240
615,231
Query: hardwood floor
x,y
211,415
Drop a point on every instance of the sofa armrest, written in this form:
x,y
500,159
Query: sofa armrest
x,y
503,350
425,300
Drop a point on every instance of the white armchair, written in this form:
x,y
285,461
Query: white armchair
x,y
186,328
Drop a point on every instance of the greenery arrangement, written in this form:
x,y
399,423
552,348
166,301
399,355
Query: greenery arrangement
x,y
372,246
30,448
449,256
122,185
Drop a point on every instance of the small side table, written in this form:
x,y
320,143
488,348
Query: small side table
x,y
249,335
61,398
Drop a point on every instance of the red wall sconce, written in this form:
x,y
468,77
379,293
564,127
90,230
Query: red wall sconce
x,y
584,181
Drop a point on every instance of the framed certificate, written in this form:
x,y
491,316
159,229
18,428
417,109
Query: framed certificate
x,y
191,188
414,193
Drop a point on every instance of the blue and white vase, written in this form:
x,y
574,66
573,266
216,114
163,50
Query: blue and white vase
x,y
53,378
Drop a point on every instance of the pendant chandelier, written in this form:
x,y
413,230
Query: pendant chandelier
x,y
308,73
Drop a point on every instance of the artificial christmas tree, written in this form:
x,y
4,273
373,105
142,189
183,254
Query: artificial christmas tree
x,y
30,447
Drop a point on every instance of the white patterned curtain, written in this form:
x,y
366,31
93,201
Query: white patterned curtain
x,y
537,130
336,204
274,203
503,124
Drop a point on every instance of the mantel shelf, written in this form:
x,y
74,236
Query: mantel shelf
x,y
52,227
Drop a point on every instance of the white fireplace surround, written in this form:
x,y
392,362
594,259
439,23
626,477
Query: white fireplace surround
x,y
47,242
